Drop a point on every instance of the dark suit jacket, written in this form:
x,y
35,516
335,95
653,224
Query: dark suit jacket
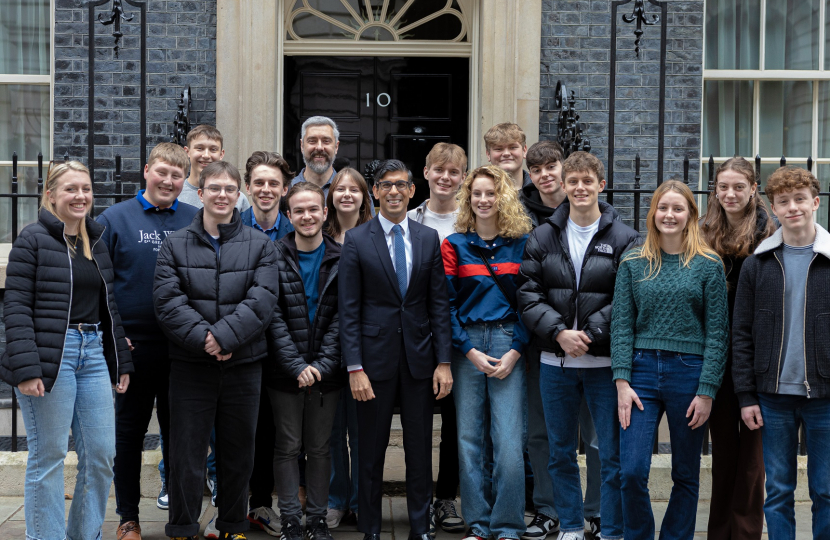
x,y
376,325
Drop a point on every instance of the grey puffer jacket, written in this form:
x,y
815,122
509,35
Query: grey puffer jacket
x,y
232,294
295,341
38,300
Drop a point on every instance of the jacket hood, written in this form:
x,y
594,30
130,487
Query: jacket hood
x,y
55,226
559,219
289,243
821,244
532,199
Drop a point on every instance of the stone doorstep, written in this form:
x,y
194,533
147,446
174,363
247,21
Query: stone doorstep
x,y
13,467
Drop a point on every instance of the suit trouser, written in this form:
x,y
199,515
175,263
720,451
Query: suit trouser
x,y
374,421
446,486
204,395
262,477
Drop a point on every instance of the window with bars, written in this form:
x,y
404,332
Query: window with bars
x,y
766,84
25,101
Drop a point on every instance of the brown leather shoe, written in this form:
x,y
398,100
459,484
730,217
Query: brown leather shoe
x,y
129,530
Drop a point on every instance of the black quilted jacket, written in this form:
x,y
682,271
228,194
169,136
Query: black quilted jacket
x,y
232,294
547,295
38,300
295,341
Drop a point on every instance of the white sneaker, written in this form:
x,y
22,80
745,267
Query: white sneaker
x,y
540,527
334,516
211,532
571,535
266,519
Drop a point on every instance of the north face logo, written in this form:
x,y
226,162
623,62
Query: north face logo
x,y
605,248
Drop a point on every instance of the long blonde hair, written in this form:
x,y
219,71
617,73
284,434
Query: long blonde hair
x,y
513,221
693,242
56,170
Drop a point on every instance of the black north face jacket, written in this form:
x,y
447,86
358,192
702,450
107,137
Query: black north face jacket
x,y
38,300
548,295
232,294
296,342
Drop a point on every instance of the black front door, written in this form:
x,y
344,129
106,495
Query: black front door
x,y
385,107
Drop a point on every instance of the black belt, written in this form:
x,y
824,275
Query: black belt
x,y
82,327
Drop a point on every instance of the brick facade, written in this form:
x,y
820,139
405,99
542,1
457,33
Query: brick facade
x,y
181,51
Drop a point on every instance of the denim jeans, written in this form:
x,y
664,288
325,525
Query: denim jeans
x,y
667,382
343,483
782,416
81,399
498,512
563,390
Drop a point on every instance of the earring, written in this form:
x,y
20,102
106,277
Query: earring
x,y
716,196
751,195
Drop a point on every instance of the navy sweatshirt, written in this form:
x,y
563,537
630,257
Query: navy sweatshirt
x,y
134,232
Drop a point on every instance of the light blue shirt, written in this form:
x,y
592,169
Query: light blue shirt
x,y
390,242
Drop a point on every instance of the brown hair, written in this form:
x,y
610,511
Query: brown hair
x,y
332,225
790,178
269,159
219,168
544,152
299,187
56,170
170,153
719,234
504,133
443,153
693,242
204,130
513,220
583,162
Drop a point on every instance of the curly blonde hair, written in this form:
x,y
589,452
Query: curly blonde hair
x,y
513,221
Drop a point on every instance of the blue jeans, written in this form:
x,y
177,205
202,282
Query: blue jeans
x,y
563,390
343,489
782,415
80,400
667,382
498,512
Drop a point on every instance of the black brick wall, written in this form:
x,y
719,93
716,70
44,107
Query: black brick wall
x,y
181,51
576,44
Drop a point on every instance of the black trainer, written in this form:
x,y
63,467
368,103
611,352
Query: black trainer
x,y
291,530
316,529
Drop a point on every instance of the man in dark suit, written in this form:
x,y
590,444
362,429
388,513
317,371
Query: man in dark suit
x,y
395,339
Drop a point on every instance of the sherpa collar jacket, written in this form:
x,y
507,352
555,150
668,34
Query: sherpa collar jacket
x,y
758,327
296,342
232,293
38,300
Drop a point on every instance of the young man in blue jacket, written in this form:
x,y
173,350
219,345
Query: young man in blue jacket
x,y
135,230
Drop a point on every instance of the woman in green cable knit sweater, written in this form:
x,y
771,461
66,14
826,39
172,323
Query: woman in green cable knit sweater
x,y
669,339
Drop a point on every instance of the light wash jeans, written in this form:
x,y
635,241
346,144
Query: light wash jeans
x,y
81,399
496,512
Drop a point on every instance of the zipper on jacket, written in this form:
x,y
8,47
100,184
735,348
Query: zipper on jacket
x,y
68,311
804,327
109,312
783,316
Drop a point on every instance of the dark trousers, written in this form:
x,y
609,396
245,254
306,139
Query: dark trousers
x,y
203,395
446,487
133,411
736,510
262,477
374,421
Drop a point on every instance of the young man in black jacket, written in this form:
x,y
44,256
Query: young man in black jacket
x,y
304,384
214,293
780,352
565,300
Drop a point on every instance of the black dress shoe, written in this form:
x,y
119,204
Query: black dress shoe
x,y
424,536
368,536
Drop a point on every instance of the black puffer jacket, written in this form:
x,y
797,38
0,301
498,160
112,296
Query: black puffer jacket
x,y
296,343
231,294
547,295
532,200
38,300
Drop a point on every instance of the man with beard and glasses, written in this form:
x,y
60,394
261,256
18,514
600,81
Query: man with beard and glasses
x,y
319,141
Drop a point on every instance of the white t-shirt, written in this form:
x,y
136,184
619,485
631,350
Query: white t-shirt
x,y
443,223
578,240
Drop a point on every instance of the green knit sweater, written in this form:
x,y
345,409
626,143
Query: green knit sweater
x,y
681,310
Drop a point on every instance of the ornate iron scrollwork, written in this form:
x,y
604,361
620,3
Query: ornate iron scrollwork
x,y
369,172
115,18
569,131
181,124
639,15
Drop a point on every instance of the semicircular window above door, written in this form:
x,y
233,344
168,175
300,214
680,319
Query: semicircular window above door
x,y
378,20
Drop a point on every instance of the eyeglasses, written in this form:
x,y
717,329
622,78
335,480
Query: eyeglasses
x,y
216,190
400,185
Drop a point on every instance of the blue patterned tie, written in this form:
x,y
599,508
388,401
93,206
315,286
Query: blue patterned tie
x,y
400,259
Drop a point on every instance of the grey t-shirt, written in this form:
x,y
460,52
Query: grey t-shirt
x,y
796,262
190,195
